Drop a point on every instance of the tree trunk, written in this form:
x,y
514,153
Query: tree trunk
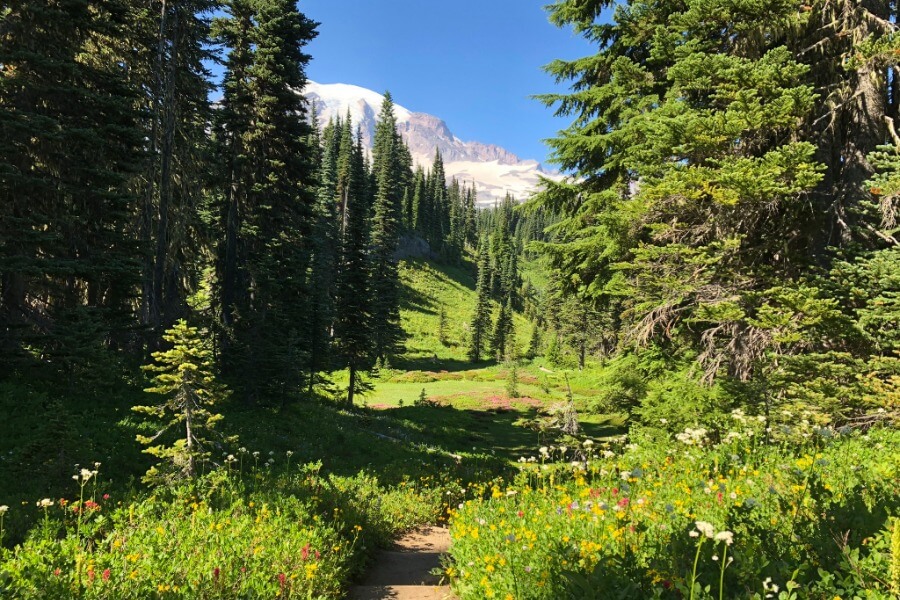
x,y
352,386
188,424
165,180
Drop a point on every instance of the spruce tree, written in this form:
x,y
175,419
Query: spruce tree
x,y
70,143
269,216
481,319
353,312
172,46
184,376
325,254
502,338
389,172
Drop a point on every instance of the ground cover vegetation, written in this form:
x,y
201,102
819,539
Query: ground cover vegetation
x,y
673,374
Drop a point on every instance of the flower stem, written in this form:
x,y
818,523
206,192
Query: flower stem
x,y
722,572
694,573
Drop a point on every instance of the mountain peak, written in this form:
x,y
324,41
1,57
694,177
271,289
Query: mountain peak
x,y
493,169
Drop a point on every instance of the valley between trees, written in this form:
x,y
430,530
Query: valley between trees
x,y
241,351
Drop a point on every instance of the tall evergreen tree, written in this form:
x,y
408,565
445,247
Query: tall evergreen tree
x,y
389,166
270,195
502,339
481,319
69,146
326,253
719,154
353,311
172,42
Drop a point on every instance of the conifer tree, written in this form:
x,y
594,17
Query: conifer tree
x,y
353,322
270,195
184,377
325,253
172,43
502,339
481,319
389,166
69,146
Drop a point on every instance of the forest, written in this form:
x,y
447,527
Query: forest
x,y
242,353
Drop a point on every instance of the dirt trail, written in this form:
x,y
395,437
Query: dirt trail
x,y
403,571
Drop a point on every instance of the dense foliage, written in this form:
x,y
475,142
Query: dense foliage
x,y
732,199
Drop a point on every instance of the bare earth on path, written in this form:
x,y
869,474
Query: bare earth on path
x,y
403,572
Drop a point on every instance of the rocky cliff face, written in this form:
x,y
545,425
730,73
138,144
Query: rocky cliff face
x,y
493,169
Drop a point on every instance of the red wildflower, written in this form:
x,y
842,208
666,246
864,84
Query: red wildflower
x,y
216,573
304,552
57,571
281,580
106,575
623,502
90,574
520,514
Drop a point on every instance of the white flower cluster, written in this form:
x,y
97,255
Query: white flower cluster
x,y
692,437
86,474
708,530
3,509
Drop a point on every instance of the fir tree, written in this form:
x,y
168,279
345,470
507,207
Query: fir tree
x,y
325,254
353,322
69,146
184,377
269,206
173,48
502,339
389,166
481,319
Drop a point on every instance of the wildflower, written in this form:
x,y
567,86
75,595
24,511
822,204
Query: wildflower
x,y
45,503
289,453
105,575
588,443
705,528
3,509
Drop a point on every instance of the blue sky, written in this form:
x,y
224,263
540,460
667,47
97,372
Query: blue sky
x,y
474,63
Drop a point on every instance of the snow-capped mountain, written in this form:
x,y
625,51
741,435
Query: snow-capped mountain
x,y
494,170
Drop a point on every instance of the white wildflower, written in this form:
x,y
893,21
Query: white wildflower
x,y
725,536
705,528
